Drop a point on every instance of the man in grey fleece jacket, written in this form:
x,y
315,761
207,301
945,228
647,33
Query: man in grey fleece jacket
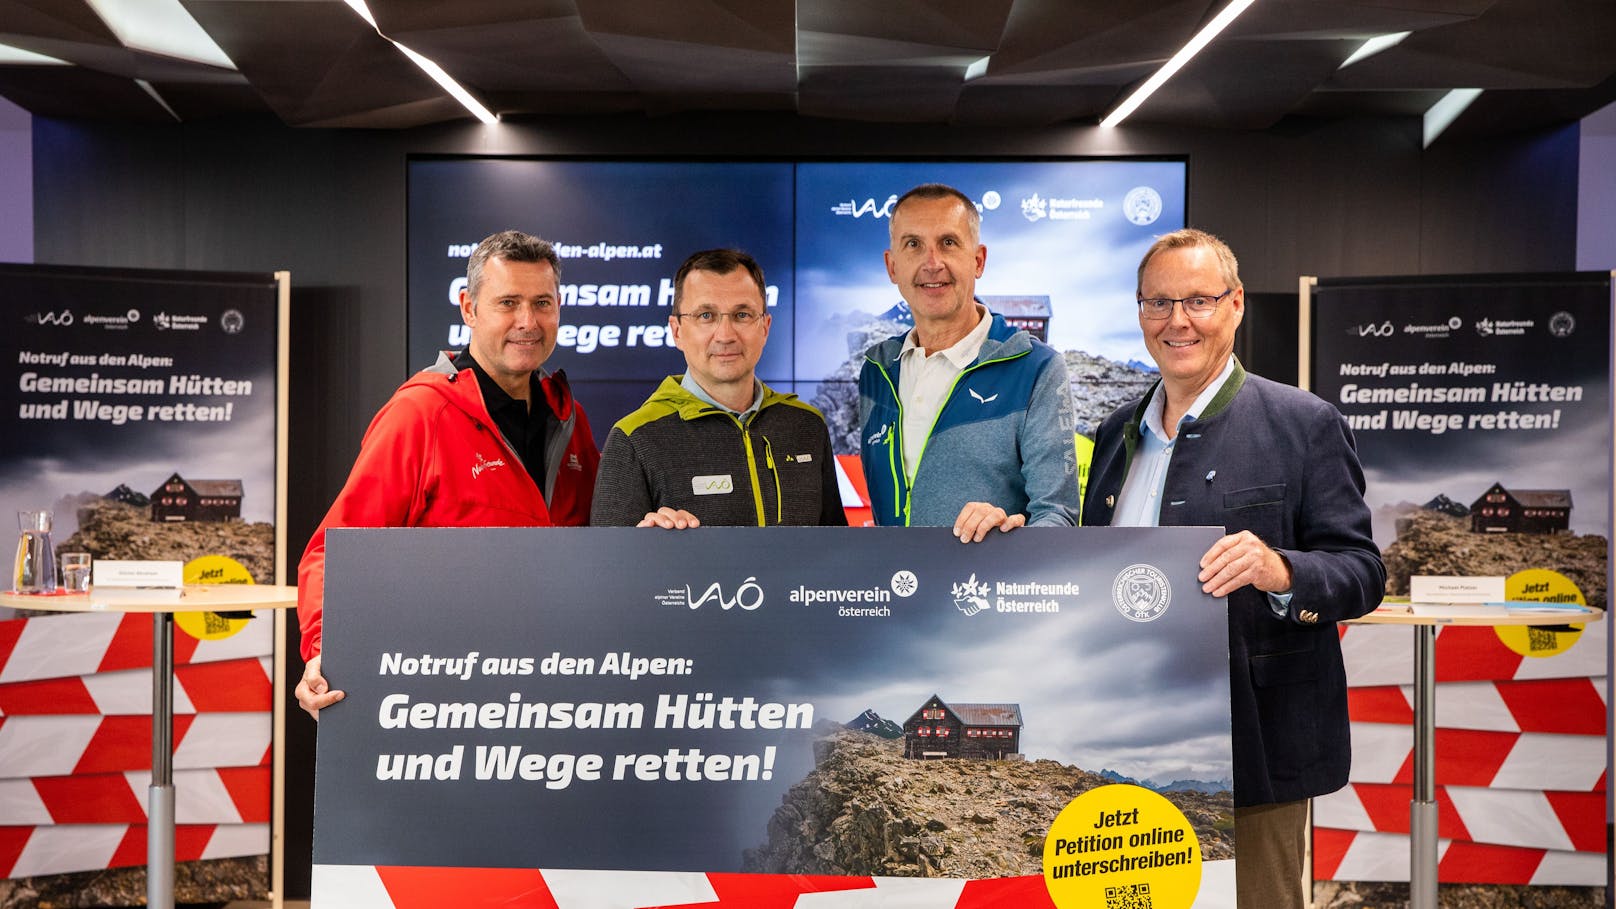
x,y
716,446
966,422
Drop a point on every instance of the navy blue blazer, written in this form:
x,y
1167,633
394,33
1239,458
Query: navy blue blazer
x,y
1281,463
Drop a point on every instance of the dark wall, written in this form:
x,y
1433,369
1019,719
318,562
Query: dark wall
x,y
1336,199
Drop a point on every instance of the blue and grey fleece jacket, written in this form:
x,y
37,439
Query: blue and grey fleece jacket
x,y
1003,435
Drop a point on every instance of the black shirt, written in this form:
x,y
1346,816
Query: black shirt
x,y
525,431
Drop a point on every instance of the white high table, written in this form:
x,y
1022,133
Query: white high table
x,y
202,598
1422,840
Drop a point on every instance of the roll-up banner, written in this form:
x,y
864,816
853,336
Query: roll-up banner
x,y
145,411
533,718
1481,405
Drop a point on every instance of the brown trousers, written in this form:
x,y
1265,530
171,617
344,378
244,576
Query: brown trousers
x,y
1270,856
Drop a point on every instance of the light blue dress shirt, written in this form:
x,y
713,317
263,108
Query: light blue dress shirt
x,y
1139,503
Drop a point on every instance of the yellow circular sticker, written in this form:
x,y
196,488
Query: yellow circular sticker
x,y
1540,585
216,569
1122,845
213,569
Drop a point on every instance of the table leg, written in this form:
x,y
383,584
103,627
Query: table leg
x,y
1422,872
160,797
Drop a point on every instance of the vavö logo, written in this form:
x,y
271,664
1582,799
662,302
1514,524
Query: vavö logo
x,y
1141,593
63,318
1371,330
748,596
867,207
970,597
712,484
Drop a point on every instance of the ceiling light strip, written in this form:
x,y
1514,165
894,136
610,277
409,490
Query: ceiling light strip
x,y
1445,111
444,80
449,85
1202,39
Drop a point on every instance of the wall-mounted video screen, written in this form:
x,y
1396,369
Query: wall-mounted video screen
x,y
1064,238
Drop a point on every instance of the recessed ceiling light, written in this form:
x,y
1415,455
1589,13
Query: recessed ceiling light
x,y
1445,111
1374,46
160,27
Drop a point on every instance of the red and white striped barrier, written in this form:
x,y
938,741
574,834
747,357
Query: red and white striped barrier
x,y
1351,855
373,887
32,851
1384,655
224,795
1520,756
75,742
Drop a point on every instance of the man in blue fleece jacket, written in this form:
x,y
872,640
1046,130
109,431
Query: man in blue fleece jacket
x,y
966,421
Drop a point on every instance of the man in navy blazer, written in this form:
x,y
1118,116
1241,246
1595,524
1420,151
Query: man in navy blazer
x,y
1210,444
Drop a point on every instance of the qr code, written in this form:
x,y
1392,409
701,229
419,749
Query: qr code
x,y
1129,896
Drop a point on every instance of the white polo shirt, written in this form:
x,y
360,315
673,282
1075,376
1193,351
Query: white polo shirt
x,y
925,381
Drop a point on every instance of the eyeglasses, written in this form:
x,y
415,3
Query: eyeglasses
x,y
710,318
1198,307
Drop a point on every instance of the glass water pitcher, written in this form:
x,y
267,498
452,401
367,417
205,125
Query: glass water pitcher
x,y
35,568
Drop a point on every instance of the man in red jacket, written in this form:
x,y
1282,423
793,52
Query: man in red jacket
x,y
482,438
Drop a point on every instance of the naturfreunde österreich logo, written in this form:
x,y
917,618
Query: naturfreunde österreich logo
x,y
972,596
1141,592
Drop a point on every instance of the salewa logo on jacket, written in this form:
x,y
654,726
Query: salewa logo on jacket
x,y
484,464
981,400
880,435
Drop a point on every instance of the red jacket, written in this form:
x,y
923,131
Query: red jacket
x,y
433,457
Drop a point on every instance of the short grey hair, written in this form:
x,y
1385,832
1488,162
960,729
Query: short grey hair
x,y
973,218
512,246
1189,238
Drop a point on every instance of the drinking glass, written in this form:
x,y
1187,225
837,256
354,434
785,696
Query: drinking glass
x,y
75,572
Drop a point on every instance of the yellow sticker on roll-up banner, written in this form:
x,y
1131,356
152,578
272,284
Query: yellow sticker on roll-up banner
x,y
1122,845
213,569
1540,585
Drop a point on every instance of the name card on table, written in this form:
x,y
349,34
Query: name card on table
x,y
1443,589
142,579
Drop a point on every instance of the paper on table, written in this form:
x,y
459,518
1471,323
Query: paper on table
x,y
1457,610
1535,606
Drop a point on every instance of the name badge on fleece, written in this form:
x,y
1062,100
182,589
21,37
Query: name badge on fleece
x,y
717,484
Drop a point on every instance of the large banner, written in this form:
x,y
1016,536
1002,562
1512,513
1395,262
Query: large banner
x,y
852,705
140,409
1481,407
